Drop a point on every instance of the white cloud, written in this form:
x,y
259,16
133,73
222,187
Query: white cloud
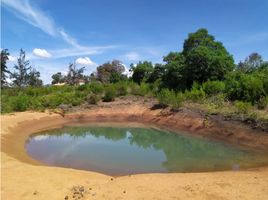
x,y
42,53
85,61
67,38
12,58
132,56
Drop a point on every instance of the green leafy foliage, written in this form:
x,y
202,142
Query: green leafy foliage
x,y
244,87
142,71
168,97
242,107
110,94
213,87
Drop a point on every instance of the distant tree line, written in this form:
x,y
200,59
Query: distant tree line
x,y
202,59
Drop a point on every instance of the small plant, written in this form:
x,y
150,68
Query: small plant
x,y
169,97
110,94
96,87
195,95
121,88
262,103
93,99
242,107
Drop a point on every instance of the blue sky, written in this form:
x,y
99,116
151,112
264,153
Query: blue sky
x,y
91,32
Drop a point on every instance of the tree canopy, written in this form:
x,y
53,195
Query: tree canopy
x,y
110,72
205,58
4,70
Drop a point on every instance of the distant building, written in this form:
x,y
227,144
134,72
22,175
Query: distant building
x,y
59,84
81,82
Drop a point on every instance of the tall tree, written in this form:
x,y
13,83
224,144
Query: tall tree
x,y
58,78
4,70
22,70
110,72
34,78
205,58
253,62
175,74
142,71
157,73
74,74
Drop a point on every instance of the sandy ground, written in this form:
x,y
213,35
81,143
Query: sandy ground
x,y
24,178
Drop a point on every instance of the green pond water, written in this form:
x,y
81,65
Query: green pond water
x,y
122,151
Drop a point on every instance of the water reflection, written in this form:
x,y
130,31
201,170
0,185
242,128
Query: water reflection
x,y
136,150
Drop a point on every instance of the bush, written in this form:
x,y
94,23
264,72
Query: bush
x,y
121,88
20,103
216,100
82,87
244,87
242,107
96,87
110,94
262,103
93,99
169,97
213,87
195,95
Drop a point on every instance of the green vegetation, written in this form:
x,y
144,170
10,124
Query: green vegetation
x,y
202,76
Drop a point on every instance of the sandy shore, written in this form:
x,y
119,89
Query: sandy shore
x,y
24,178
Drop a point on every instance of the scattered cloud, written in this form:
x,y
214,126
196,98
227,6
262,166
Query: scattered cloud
x,y
85,61
31,15
36,17
42,53
67,38
132,56
68,52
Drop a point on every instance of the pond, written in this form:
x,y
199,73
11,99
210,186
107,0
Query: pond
x,y
121,151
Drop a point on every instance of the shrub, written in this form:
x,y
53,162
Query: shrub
x,y
82,87
110,94
169,97
93,98
36,104
244,87
195,95
121,88
213,87
262,103
20,103
216,100
51,100
96,87
242,107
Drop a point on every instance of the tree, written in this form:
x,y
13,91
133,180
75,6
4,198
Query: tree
x,y
157,73
34,78
4,70
57,78
22,69
205,58
175,73
253,62
111,72
74,74
142,71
